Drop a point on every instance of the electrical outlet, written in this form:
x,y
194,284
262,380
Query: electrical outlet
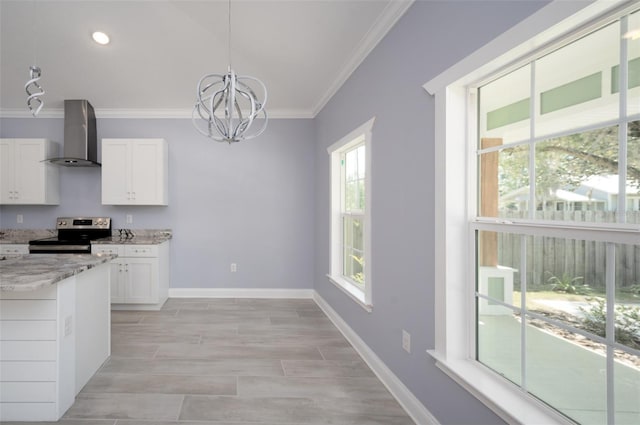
x,y
406,341
68,325
234,267
129,219
19,218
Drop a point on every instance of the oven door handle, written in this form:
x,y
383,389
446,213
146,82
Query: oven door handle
x,y
58,248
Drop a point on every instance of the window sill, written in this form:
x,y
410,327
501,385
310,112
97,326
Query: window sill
x,y
354,293
502,397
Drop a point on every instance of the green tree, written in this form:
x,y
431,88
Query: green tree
x,y
565,162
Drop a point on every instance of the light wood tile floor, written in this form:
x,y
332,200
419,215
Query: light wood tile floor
x,y
232,362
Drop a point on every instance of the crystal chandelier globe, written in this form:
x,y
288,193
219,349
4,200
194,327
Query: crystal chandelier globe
x,y
227,106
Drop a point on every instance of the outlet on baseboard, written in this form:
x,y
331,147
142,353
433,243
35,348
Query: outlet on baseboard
x,y
406,341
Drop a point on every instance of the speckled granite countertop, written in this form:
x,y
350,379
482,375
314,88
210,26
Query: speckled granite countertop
x,y
32,272
120,236
136,237
23,236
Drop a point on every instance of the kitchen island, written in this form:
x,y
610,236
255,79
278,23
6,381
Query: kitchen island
x,y
54,331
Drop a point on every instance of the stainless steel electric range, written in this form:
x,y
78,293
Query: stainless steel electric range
x,y
74,236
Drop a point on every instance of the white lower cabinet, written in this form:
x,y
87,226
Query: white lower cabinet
x,y
139,276
134,281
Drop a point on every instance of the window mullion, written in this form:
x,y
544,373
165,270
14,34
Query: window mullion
x,y
610,283
623,126
532,147
596,234
523,312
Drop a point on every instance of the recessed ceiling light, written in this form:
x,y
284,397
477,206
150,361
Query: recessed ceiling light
x,y
632,35
100,37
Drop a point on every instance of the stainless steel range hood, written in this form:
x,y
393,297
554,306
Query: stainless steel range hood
x,y
80,147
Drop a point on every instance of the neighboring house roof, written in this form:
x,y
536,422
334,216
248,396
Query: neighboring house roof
x,y
565,195
609,184
597,185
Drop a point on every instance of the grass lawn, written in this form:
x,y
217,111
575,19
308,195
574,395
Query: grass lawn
x,y
621,297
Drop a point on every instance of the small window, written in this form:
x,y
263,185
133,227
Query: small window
x,y
350,214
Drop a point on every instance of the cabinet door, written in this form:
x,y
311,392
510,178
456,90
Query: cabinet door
x,y
146,172
118,282
7,184
142,280
116,165
29,176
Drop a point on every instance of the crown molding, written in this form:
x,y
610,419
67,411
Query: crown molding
x,y
24,113
145,113
391,14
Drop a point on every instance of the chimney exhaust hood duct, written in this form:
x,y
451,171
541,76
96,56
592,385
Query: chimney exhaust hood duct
x,y
80,147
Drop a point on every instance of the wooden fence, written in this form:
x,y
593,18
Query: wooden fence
x,y
548,256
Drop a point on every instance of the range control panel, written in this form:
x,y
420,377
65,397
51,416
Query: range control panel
x,y
83,223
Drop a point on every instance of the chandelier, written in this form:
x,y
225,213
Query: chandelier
x,y
227,106
34,91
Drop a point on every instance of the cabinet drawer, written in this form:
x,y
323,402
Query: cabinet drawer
x,y
140,250
108,249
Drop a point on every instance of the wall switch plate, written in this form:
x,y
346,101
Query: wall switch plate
x,y
129,218
234,267
19,218
406,341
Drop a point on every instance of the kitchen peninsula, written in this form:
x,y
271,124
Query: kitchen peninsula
x,y
54,331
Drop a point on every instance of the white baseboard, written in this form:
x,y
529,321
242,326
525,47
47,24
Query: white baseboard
x,y
407,400
240,293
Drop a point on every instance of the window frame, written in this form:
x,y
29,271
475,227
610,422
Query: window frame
x,y
362,135
455,315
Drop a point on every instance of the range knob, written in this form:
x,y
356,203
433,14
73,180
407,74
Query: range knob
x,y
99,221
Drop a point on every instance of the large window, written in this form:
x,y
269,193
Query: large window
x,y
541,317
350,212
560,316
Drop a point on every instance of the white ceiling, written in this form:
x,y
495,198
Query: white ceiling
x,y
303,50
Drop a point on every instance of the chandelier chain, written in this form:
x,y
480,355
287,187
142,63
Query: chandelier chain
x,y
32,87
229,34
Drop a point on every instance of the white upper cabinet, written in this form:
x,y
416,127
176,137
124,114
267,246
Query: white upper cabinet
x,y
24,177
135,172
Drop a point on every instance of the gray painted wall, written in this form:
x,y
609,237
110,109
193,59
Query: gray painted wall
x,y
429,38
250,203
